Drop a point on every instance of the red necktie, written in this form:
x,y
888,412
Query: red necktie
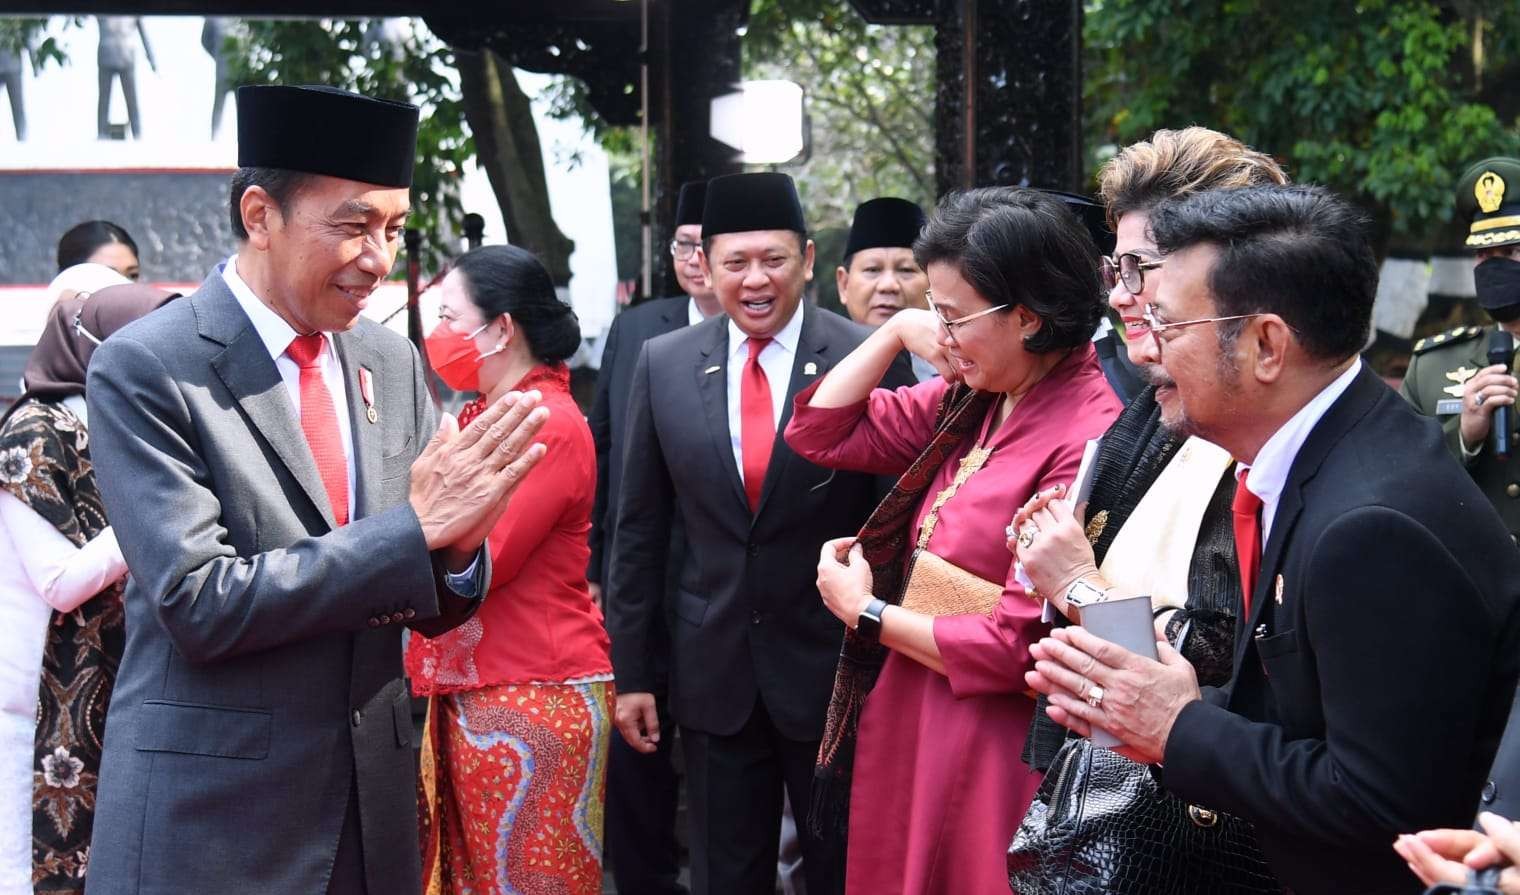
x,y
1247,510
319,421
757,428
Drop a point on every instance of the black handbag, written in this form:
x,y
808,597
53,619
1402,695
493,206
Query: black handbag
x,y
1101,824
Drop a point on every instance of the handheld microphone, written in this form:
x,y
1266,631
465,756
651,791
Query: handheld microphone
x,y
1501,350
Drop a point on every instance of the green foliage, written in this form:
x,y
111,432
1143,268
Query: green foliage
x,y
418,68
30,35
1373,98
870,95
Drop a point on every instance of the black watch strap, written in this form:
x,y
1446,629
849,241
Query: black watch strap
x,y
868,625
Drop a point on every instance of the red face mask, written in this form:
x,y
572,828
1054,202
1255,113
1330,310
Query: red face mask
x,y
455,358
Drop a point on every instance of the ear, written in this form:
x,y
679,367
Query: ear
x,y
1269,339
508,330
707,277
261,216
1029,322
808,253
841,276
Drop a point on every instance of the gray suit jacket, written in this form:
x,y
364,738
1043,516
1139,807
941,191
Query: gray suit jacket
x,y
261,678
748,618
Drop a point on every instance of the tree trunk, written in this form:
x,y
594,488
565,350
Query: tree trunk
x,y
506,145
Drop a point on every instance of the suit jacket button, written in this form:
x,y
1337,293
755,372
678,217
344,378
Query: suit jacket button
x,y
1512,489
1490,792
357,717
410,613
397,617
754,618
374,622
752,548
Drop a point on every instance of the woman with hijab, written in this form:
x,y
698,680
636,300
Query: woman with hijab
x,y
60,599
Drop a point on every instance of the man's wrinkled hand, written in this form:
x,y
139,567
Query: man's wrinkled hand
x,y
638,721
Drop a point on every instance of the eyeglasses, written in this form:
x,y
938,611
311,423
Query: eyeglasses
x,y
949,324
1129,269
1156,327
681,249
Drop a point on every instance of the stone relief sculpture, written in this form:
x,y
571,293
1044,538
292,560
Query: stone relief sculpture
x,y
117,59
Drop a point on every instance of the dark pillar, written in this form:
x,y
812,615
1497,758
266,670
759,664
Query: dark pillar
x,y
694,56
1008,110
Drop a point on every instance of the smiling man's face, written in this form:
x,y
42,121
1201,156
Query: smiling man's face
x,y
880,282
759,277
328,248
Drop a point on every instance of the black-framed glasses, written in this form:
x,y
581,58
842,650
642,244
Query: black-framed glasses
x,y
1129,269
1156,327
681,249
950,325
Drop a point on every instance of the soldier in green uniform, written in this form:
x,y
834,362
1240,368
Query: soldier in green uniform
x,y
1449,376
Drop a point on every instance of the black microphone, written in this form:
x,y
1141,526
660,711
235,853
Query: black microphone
x,y
1501,350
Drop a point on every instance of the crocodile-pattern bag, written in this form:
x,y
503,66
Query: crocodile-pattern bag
x,y
1100,825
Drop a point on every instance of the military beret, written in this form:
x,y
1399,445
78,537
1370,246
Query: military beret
x,y
743,203
323,130
1488,197
884,223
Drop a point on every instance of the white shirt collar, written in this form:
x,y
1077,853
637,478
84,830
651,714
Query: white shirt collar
x,y
1267,477
273,331
693,313
787,338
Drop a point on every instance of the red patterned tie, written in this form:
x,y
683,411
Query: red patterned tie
x,y
319,421
757,427
1247,509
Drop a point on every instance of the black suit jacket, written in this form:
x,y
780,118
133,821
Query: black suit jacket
x,y
1372,685
748,617
609,411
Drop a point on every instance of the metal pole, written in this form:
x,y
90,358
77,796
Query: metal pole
x,y
646,224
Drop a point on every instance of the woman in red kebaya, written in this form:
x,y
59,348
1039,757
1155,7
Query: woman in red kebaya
x,y
514,763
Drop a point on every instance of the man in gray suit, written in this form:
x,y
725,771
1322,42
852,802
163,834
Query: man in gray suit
x,y
265,457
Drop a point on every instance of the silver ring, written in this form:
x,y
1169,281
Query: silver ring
x,y
1026,537
1095,696
1478,399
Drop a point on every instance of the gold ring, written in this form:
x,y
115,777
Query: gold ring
x,y
1095,696
1026,538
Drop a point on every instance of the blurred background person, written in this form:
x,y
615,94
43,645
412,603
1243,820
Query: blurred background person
x,y
515,754
99,242
1450,375
60,599
935,686
643,789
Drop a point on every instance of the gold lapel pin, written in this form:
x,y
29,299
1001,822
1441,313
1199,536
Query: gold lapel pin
x,y
712,369
810,369
1278,588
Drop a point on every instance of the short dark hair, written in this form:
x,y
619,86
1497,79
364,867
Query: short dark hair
x,y
281,184
82,240
1298,252
1020,247
503,279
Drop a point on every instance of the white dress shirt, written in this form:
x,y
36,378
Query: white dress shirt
x,y
693,313
277,335
1267,477
776,359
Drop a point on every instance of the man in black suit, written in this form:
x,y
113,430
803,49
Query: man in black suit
x,y
641,847
753,650
1375,671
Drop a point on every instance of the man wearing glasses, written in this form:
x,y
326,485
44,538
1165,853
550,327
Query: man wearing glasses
x,y
641,789
1450,376
1373,673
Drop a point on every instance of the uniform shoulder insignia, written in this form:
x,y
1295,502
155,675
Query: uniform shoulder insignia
x,y
1450,337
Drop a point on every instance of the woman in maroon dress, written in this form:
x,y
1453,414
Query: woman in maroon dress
x,y
936,789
